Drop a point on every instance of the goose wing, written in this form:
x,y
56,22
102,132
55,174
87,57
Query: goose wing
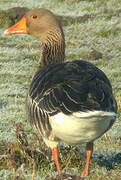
x,y
67,87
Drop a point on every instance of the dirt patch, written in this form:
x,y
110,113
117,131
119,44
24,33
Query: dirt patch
x,y
95,55
67,20
11,16
16,13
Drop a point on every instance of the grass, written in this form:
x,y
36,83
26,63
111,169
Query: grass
x,y
23,155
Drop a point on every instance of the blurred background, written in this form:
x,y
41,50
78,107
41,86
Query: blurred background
x,y
92,32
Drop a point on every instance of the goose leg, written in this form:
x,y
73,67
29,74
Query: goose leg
x,y
55,155
89,150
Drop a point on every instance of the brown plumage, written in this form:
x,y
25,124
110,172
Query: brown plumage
x,y
66,101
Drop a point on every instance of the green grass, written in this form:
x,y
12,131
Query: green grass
x,y
95,39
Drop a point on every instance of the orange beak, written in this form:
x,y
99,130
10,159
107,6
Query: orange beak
x,y
19,28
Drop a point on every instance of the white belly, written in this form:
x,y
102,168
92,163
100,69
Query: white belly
x,y
81,127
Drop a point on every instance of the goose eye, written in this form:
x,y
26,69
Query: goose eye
x,y
34,16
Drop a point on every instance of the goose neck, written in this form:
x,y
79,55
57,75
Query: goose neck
x,y
53,48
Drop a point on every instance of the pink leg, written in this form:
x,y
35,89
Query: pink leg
x,y
89,150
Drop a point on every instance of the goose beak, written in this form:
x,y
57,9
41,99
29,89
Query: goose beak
x,y
19,28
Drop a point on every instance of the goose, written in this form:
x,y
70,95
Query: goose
x,y
67,101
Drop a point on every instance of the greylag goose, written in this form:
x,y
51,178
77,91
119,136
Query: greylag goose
x,y
66,101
